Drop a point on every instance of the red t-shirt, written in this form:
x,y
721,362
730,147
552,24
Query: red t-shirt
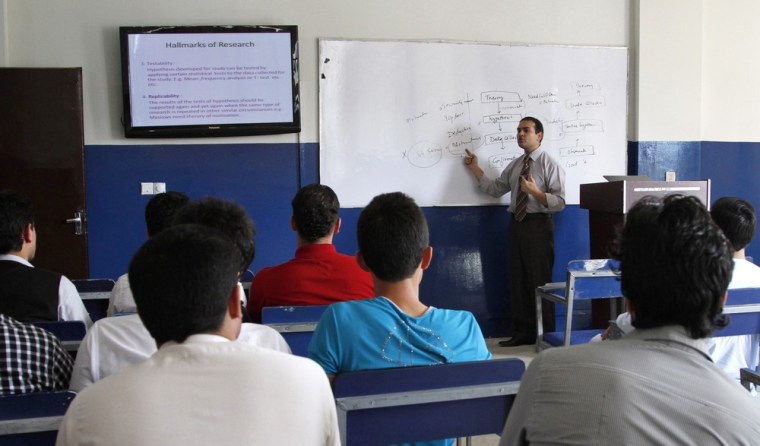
x,y
318,275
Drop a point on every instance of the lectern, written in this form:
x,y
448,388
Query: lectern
x,y
609,202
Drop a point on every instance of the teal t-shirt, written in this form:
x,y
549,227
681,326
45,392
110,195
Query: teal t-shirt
x,y
375,334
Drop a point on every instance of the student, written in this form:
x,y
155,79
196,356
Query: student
x,y
116,342
31,359
318,275
656,385
736,218
200,387
30,294
158,216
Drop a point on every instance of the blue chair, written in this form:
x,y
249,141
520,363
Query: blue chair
x,y
380,407
743,306
295,323
32,418
95,294
70,333
586,279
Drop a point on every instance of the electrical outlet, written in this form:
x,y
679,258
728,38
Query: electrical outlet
x,y
159,188
146,189
670,176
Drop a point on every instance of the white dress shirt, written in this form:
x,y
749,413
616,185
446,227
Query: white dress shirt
x,y
114,343
207,391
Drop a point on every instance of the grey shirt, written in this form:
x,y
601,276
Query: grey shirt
x,y
547,174
655,386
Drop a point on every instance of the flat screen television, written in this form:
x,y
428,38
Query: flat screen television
x,y
188,81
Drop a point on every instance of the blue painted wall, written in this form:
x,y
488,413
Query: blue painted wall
x,y
470,243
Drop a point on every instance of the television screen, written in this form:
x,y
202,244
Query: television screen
x,y
184,81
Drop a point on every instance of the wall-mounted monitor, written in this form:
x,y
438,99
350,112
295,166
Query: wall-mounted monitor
x,y
187,81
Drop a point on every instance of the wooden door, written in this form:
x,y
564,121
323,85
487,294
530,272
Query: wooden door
x,y
42,156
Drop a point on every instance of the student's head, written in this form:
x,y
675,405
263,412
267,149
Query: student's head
x,y
393,234
226,217
736,217
315,211
16,213
182,280
160,210
675,265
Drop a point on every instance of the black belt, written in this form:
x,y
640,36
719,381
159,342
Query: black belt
x,y
534,216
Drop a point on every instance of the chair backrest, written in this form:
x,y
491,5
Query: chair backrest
x,y
743,307
95,294
70,333
426,402
295,324
32,418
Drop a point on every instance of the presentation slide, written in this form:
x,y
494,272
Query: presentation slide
x,y
207,79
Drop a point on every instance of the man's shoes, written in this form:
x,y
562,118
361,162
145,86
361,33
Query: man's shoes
x,y
515,342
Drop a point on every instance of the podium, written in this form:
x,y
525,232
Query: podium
x,y
608,203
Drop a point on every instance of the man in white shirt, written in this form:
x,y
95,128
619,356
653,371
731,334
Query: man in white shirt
x,y
117,342
736,217
201,387
158,216
27,293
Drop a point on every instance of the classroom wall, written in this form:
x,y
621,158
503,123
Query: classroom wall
x,y
669,96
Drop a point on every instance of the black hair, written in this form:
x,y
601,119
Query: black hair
x,y
182,279
675,264
392,233
315,210
16,212
736,217
161,209
228,218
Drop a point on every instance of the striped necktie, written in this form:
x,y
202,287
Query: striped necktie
x,y
521,206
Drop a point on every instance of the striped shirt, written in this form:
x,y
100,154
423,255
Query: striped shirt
x,y
31,359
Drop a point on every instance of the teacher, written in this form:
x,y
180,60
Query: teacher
x,y
538,183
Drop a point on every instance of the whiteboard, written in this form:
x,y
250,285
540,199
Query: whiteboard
x,y
398,115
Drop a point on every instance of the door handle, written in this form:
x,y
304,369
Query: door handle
x,y
77,220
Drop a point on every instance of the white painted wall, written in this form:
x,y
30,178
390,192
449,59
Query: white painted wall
x,y
669,65
64,33
731,71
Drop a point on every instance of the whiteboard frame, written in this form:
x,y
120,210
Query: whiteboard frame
x,y
355,194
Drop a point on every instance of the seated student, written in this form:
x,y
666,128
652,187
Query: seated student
x,y
158,216
30,294
318,275
736,218
116,342
394,329
201,386
31,359
657,385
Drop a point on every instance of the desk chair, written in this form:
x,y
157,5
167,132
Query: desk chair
x,y
295,324
70,333
95,294
32,418
586,279
380,407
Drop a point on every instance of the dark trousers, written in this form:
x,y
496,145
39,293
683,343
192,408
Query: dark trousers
x,y
531,259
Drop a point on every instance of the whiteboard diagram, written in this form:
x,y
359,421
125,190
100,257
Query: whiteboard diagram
x,y
399,115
